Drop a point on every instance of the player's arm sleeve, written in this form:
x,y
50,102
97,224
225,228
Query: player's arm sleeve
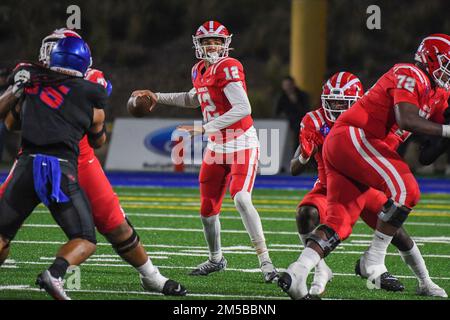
x,y
236,95
179,99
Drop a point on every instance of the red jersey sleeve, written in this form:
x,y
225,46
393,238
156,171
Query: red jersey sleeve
x,y
308,126
409,85
228,70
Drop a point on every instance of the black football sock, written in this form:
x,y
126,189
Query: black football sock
x,y
59,267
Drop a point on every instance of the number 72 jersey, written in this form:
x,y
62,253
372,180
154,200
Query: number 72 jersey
x,y
402,83
209,85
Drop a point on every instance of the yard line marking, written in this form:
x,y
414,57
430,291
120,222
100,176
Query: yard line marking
x,y
203,252
28,288
272,247
145,205
424,204
440,239
188,216
435,198
251,270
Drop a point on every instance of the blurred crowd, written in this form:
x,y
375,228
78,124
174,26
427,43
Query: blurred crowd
x,y
148,45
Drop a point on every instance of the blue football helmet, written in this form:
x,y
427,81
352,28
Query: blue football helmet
x,y
71,56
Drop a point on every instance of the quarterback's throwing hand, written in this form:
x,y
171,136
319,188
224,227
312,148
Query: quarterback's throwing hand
x,y
151,96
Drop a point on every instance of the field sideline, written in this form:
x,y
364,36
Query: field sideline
x,y
168,223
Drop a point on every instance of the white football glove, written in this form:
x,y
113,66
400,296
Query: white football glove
x,y
21,78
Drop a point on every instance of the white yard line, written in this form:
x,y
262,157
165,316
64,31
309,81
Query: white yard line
x,y
238,218
255,270
144,293
442,240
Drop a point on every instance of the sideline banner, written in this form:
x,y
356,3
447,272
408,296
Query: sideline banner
x,y
147,144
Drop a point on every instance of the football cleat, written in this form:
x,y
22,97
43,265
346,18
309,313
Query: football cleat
x,y
170,288
53,286
208,267
385,281
269,272
322,276
173,288
431,289
297,291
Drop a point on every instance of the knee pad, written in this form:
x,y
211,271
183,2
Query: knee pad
x,y
242,199
308,213
394,214
127,245
327,245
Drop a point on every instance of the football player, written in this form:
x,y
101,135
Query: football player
x,y
46,168
409,98
109,217
232,153
339,93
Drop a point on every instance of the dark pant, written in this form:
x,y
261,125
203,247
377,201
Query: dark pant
x,y
20,199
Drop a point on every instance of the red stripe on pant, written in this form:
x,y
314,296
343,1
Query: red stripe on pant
x,y
349,176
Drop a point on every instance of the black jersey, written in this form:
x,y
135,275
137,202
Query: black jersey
x,y
57,111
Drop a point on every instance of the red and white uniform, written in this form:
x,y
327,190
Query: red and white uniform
x,y
106,209
220,88
358,158
232,152
369,207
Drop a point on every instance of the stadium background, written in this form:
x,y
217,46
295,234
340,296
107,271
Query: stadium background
x,y
147,44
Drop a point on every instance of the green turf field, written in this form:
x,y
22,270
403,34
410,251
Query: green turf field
x,y
168,223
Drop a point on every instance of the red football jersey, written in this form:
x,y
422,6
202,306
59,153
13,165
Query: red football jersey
x,y
316,122
209,85
374,112
86,151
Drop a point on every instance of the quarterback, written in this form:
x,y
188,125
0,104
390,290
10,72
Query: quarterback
x,y
232,153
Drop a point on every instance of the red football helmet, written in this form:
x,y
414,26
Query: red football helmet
x,y
434,53
339,93
212,29
49,42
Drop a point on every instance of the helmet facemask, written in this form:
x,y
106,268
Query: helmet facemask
x,y
336,103
46,49
442,74
211,53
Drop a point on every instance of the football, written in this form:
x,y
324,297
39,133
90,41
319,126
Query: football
x,y
139,106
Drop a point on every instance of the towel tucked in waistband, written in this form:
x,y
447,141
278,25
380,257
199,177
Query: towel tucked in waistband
x,y
47,179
